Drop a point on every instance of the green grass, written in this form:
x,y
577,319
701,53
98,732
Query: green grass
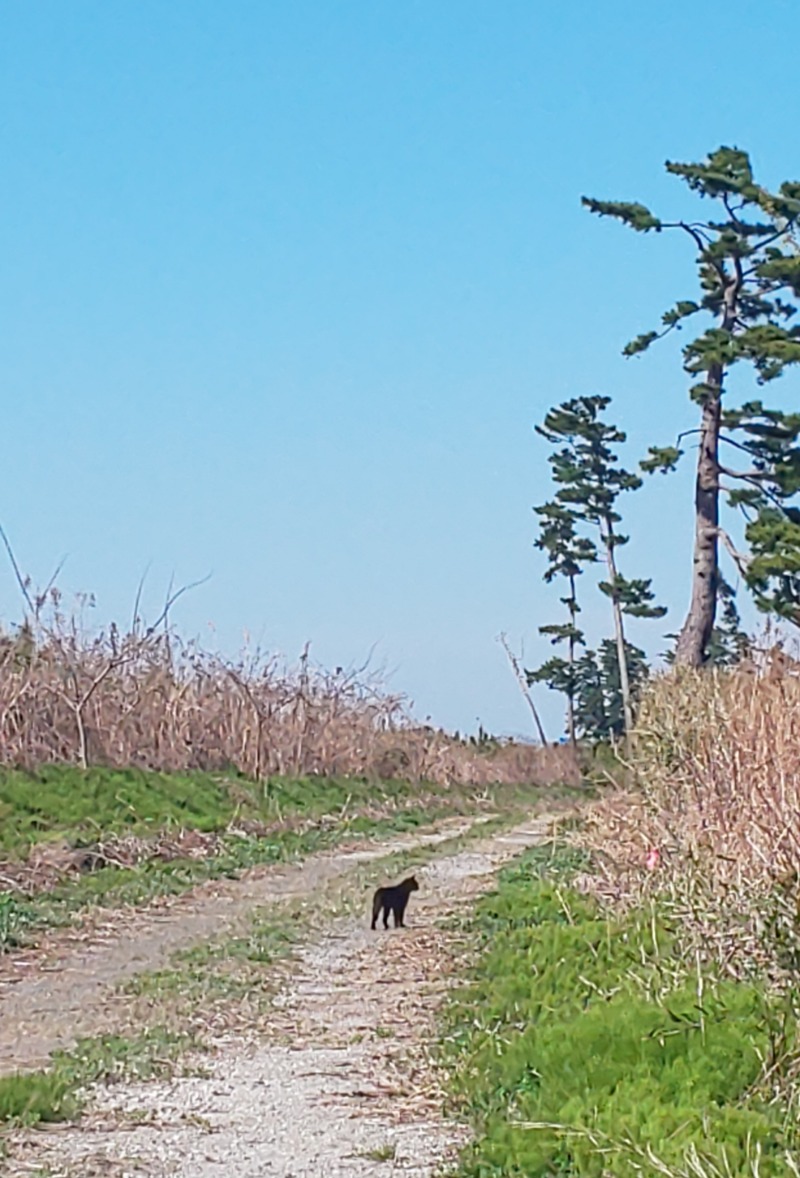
x,y
79,807
56,1093
33,1097
582,1046
63,802
381,1153
16,915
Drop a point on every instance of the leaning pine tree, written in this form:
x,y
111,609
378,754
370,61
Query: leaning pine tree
x,y
748,269
590,482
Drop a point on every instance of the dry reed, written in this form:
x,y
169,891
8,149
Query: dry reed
x,y
146,698
716,773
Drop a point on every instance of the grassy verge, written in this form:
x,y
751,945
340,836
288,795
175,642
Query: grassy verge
x,y
583,1045
62,802
116,886
292,818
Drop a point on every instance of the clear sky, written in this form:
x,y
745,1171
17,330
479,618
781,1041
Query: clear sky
x,y
285,286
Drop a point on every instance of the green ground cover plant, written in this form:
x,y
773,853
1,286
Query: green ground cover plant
x,y
228,970
583,1045
15,917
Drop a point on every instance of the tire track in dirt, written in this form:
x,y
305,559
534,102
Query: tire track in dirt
x,y
342,1085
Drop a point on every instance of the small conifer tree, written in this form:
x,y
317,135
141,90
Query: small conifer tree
x,y
599,711
567,552
590,482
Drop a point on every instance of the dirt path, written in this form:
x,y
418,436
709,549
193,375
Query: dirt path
x,y
341,1086
65,989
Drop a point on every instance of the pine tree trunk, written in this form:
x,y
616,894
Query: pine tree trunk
x,y
695,635
619,632
573,604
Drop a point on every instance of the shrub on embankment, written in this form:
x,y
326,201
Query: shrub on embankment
x,y
586,1045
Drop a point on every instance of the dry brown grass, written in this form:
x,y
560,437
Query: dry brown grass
x,y
716,788
145,698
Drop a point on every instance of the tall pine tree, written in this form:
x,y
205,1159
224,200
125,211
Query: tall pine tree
x,y
748,270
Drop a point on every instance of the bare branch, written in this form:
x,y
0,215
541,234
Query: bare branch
x,y
171,599
750,476
726,200
20,579
733,442
137,601
694,231
523,686
54,578
740,559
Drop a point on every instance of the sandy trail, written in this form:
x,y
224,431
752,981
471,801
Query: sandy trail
x,y
341,1085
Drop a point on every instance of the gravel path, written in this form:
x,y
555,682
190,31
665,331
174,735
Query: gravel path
x,y
66,988
340,1086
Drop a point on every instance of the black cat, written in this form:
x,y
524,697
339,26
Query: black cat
x,y
394,900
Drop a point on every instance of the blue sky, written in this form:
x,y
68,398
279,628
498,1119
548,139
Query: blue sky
x,y
285,287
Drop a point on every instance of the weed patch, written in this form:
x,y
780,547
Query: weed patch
x,y
227,970
63,802
582,1046
55,1093
34,1097
15,917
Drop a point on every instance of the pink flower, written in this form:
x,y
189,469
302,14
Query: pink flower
x,y
653,859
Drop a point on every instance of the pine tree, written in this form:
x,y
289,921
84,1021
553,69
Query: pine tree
x,y
599,704
567,552
590,483
748,269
